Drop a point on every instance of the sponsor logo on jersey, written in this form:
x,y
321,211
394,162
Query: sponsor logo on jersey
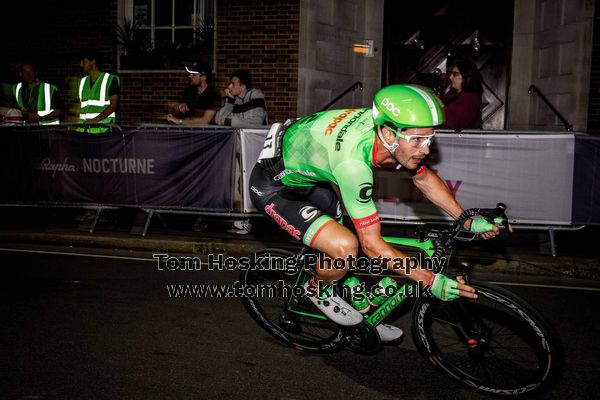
x,y
308,213
285,172
342,132
366,192
282,222
255,190
337,120
391,107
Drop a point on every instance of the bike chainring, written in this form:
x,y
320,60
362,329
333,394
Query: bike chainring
x,y
363,339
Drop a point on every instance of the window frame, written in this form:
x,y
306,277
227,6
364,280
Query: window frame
x,y
126,11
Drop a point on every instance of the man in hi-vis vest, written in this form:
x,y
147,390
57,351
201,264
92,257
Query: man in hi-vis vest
x,y
38,101
98,94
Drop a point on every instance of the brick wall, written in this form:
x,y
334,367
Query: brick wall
x,y
54,35
144,96
262,37
593,124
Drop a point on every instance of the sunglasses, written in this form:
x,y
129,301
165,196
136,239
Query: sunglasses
x,y
414,140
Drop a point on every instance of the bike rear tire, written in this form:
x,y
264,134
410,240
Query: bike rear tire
x,y
273,314
512,350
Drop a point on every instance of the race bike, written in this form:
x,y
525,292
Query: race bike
x,y
496,344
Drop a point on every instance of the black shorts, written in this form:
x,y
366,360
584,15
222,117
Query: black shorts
x,y
300,211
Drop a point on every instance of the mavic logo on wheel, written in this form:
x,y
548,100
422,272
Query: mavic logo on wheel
x,y
308,213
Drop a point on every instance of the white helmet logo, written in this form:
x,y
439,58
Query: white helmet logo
x,y
308,213
390,106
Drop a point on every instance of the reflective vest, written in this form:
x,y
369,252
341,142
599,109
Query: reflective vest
x,y
42,96
94,99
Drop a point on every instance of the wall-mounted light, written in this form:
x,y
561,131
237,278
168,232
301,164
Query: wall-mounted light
x,y
366,48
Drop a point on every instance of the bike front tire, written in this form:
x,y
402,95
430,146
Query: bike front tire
x,y
495,344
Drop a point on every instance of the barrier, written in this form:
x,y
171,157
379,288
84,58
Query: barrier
x,y
548,179
152,166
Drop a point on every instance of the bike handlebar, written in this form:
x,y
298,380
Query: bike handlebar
x,y
489,214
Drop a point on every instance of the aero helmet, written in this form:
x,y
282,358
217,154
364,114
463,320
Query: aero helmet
x,y
407,106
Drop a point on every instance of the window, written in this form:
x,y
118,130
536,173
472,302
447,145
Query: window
x,y
161,34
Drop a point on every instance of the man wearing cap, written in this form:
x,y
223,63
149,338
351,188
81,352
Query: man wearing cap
x,y
200,102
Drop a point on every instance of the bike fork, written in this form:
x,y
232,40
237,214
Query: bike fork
x,y
469,328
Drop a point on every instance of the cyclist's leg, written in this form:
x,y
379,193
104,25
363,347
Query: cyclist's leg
x,y
303,213
305,221
336,241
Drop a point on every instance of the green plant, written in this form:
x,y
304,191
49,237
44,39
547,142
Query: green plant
x,y
130,37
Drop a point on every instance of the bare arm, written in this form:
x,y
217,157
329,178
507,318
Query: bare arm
x,y
196,119
435,190
374,246
31,116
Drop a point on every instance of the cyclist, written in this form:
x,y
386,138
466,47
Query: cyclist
x,y
304,161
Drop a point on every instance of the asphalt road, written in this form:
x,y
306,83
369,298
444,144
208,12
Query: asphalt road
x,y
100,327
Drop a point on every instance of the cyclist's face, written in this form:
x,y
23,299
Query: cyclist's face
x,y
411,154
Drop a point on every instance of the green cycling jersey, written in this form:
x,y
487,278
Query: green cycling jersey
x,y
337,146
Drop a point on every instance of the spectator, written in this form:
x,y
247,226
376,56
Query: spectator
x,y
244,105
98,94
38,101
463,96
200,102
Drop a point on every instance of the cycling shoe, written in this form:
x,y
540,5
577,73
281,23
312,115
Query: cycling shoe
x,y
334,307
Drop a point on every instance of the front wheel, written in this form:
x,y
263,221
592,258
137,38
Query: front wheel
x,y
494,344
279,307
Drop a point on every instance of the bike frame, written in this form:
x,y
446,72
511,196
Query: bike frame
x,y
405,291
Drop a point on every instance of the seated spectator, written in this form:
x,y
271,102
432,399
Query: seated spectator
x,y
463,96
38,101
244,105
200,102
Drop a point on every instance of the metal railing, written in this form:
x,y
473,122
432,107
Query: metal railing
x,y
534,90
353,87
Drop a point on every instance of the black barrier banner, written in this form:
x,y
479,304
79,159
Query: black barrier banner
x,y
586,180
146,167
